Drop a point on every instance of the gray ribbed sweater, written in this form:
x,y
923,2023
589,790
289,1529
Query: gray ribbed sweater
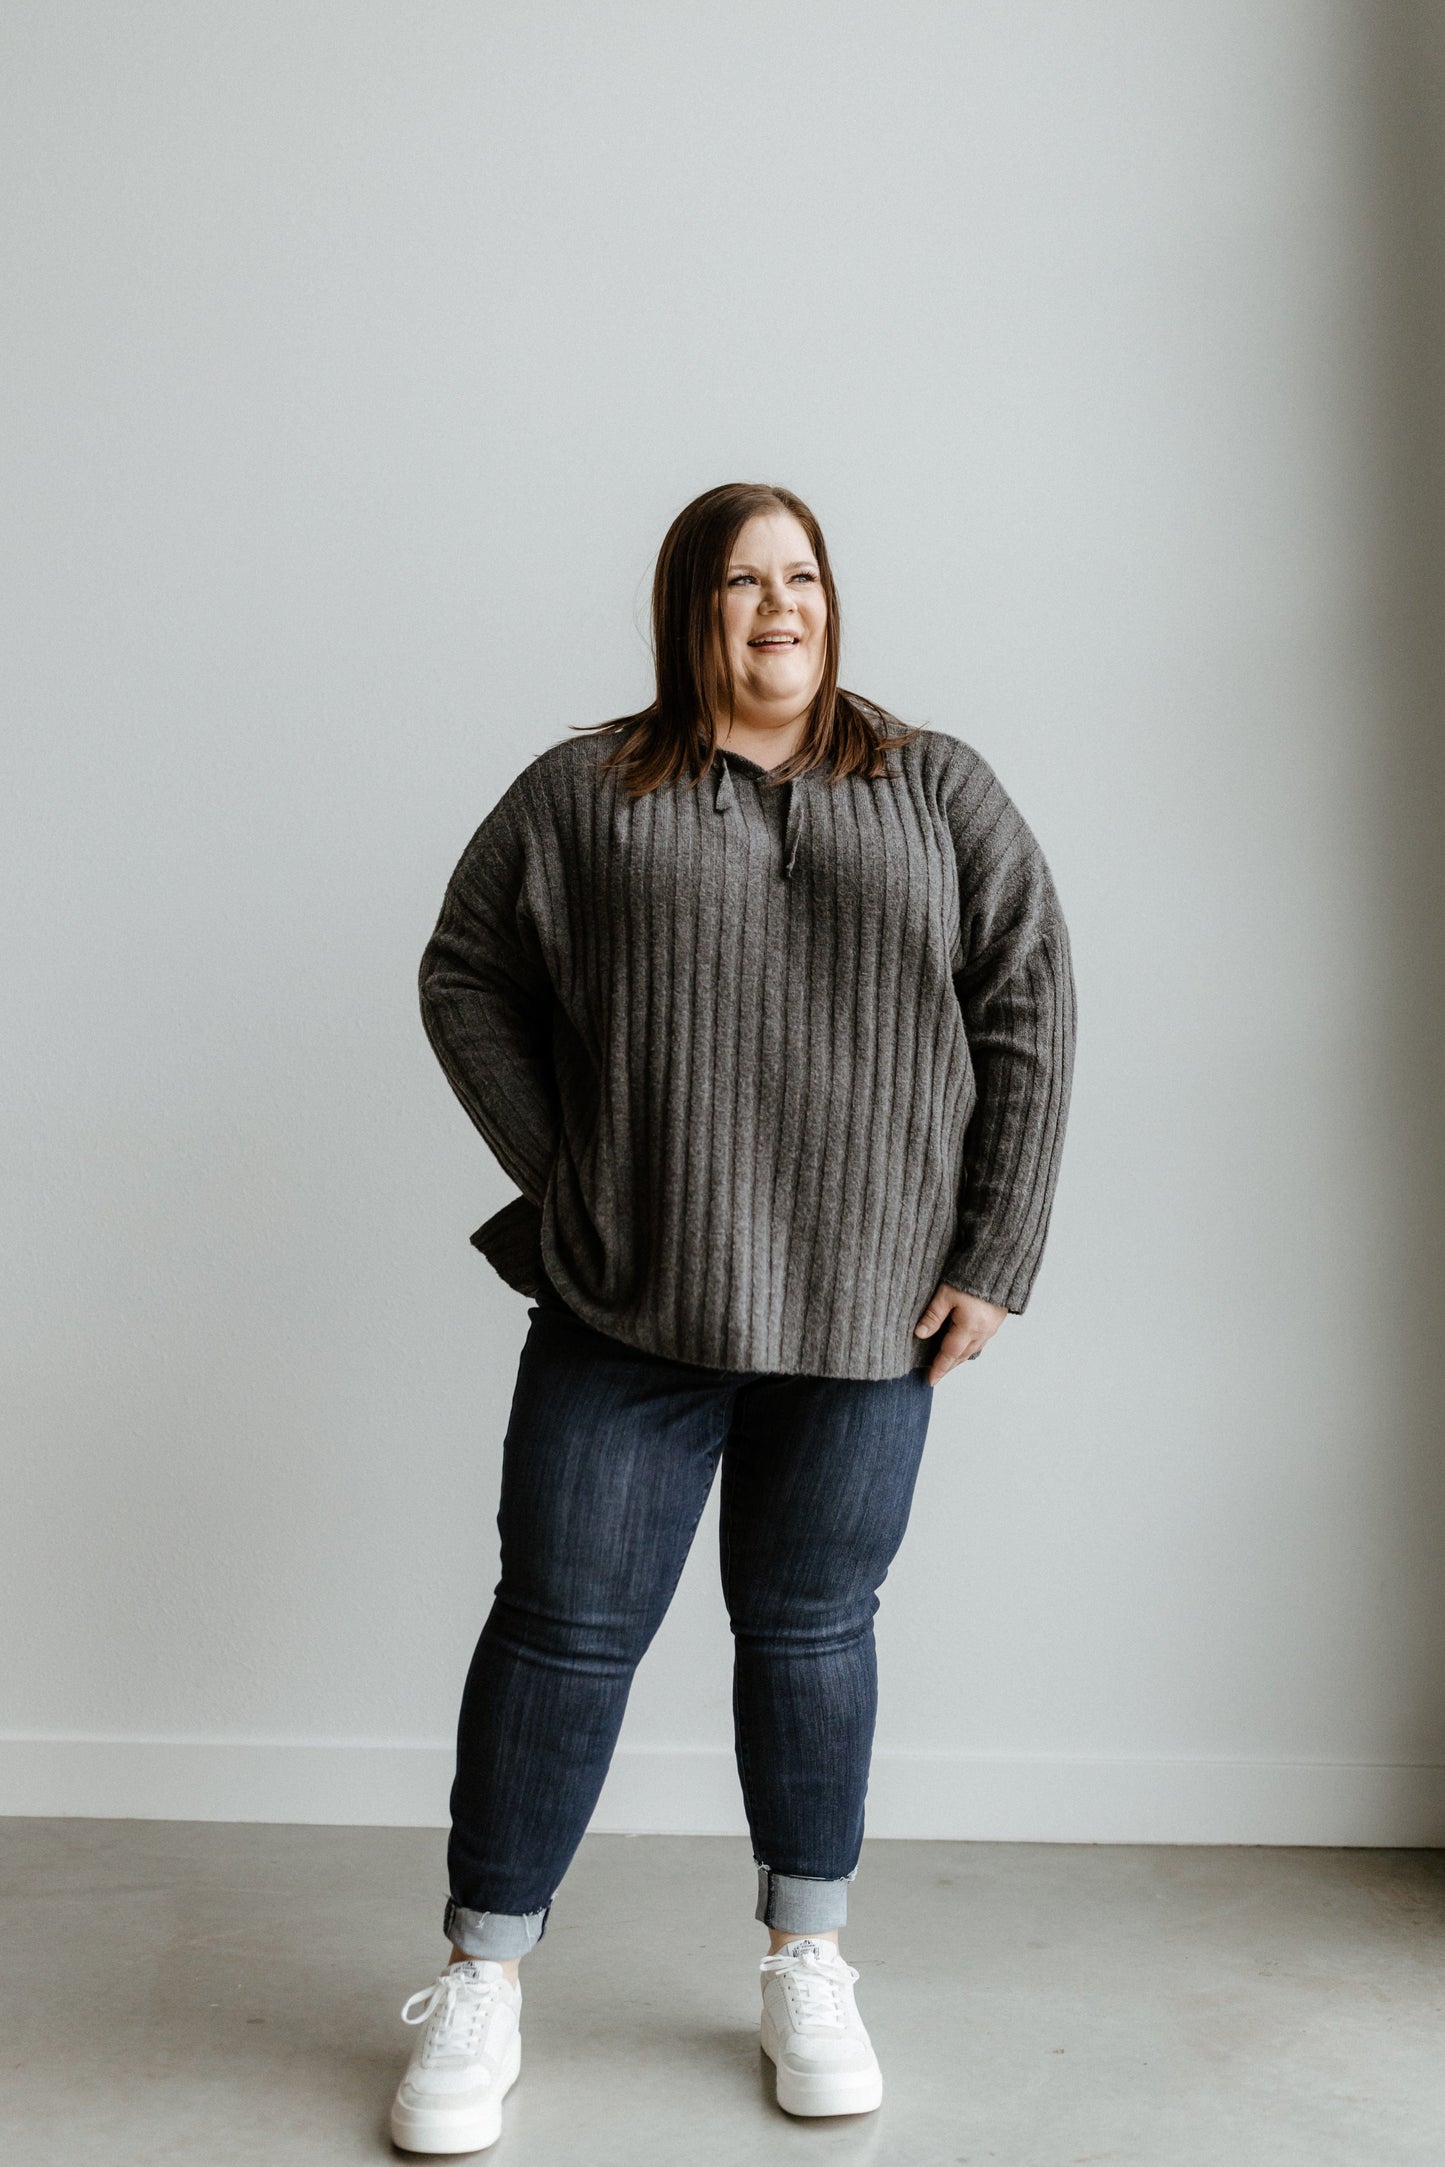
x,y
767,1062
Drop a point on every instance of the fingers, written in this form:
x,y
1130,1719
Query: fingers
x,y
969,1310
958,1345
971,1323
969,1329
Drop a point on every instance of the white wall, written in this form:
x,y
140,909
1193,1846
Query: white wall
x,y
360,355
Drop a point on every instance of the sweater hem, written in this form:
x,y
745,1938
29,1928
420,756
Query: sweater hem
x,y
639,1340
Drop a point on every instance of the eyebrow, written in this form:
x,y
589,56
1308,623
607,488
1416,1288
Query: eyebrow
x,y
740,564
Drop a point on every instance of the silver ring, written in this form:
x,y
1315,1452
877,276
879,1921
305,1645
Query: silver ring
x,y
972,1357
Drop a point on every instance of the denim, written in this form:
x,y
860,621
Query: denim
x,y
608,1462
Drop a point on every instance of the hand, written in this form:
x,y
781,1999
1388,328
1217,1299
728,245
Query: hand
x,y
972,1323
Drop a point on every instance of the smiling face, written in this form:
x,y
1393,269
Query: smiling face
x,y
774,614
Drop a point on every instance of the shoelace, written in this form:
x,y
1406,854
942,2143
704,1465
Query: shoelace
x,y
818,1987
460,2019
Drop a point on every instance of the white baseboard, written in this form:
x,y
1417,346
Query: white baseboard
x,y
960,1797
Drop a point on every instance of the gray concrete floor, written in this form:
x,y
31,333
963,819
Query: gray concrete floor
x,y
211,1994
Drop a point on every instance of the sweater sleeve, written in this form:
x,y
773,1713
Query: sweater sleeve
x,y
1015,986
486,1001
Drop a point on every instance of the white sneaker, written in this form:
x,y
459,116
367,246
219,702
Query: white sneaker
x,y
812,2032
463,2065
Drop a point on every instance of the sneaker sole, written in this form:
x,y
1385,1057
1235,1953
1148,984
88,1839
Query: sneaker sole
x,y
437,2129
854,2092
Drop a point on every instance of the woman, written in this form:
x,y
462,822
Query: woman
x,y
765,1003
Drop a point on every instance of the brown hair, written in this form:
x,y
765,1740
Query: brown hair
x,y
676,732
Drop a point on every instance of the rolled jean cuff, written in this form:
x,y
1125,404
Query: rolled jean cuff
x,y
800,1903
499,1935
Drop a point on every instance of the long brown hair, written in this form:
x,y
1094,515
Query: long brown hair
x,y
676,733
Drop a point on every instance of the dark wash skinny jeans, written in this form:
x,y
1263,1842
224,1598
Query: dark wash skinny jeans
x,y
608,1462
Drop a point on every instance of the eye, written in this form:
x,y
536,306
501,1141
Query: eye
x,y
805,575
738,577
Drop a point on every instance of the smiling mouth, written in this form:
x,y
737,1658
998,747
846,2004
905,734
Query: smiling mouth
x,y
776,639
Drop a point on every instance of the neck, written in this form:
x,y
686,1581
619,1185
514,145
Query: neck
x,y
769,743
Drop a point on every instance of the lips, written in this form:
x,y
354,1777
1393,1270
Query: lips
x,y
776,639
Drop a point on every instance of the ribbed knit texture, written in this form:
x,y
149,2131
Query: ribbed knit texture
x,y
766,1061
